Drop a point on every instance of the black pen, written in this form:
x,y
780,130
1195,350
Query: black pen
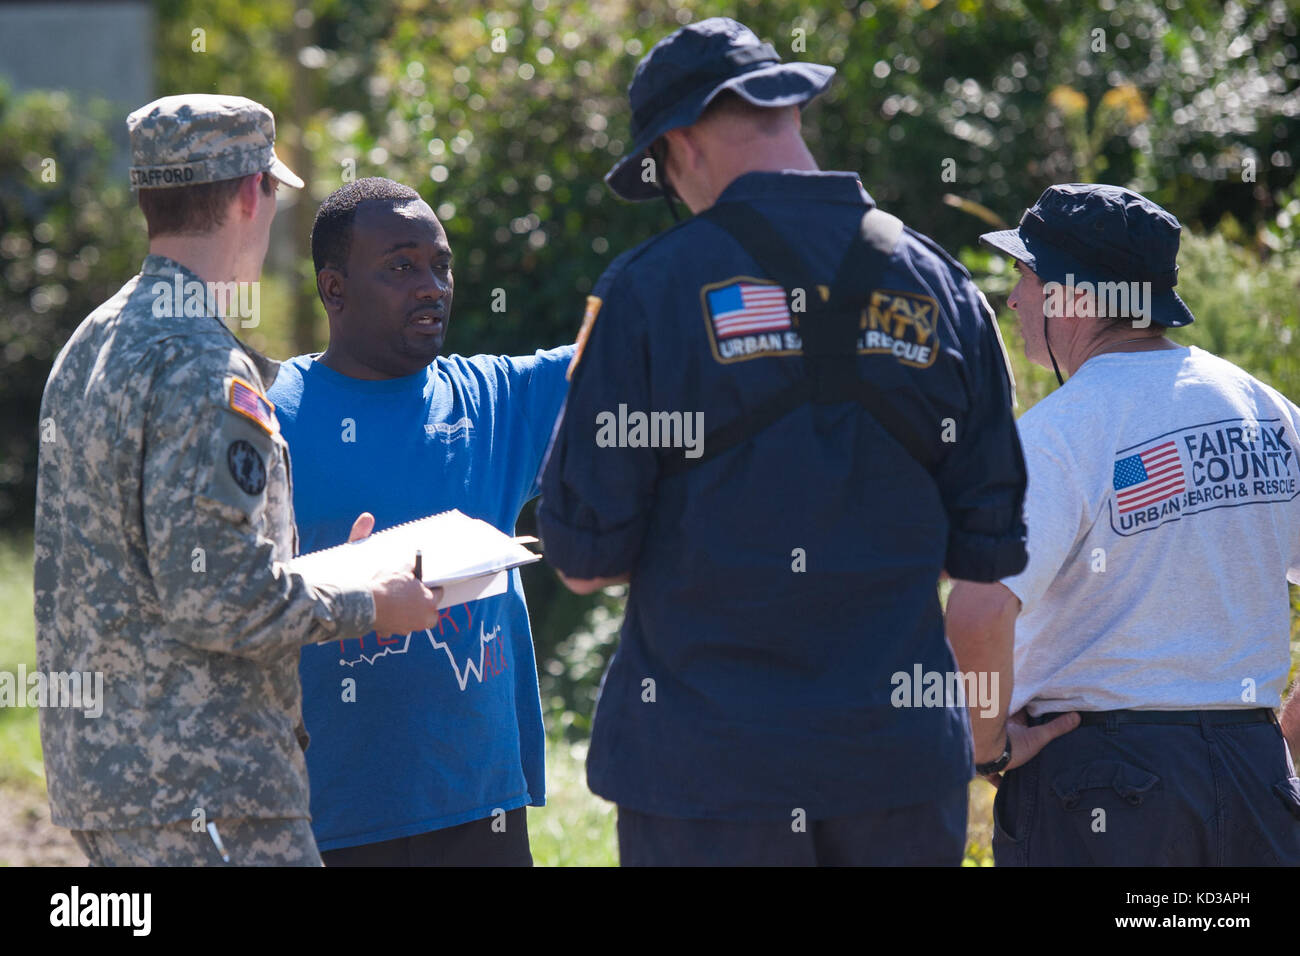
x,y
419,569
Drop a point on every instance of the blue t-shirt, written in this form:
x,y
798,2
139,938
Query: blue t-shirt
x,y
444,726
783,593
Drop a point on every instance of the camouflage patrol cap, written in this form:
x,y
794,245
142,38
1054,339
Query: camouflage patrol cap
x,y
203,138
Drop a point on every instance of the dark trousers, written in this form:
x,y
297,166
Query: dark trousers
x,y
470,844
928,834
1199,788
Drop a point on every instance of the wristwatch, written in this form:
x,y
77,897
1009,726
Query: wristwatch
x,y
995,766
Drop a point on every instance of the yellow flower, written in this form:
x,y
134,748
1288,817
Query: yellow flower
x,y
1128,100
1068,100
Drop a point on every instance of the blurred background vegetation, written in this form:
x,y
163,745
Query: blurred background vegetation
x,y
956,113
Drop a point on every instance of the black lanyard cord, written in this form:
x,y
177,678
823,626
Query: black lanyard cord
x,y
659,153
1048,342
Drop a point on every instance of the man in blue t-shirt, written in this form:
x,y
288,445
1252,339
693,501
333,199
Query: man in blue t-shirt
x,y
425,747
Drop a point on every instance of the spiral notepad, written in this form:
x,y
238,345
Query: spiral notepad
x,y
468,558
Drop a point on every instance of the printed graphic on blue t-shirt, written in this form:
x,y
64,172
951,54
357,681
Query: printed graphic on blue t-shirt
x,y
416,732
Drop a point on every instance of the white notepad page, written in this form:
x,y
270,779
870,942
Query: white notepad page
x,y
466,557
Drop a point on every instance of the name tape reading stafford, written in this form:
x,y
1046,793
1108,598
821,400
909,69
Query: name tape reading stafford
x,y
750,318
163,176
1223,464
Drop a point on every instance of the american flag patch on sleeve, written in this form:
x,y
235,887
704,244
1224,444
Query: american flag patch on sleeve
x,y
250,403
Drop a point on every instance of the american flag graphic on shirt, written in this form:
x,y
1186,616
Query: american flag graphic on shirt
x,y
748,308
1148,478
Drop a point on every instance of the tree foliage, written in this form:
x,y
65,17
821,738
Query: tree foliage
x,y
66,245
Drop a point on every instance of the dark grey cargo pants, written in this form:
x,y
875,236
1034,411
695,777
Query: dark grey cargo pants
x,y
1154,788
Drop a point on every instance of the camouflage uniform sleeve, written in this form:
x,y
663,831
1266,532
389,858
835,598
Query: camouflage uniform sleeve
x,y
218,522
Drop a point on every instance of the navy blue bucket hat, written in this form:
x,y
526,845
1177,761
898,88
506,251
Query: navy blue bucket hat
x,y
683,73
1099,233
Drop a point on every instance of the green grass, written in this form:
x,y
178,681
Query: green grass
x,y
20,741
576,827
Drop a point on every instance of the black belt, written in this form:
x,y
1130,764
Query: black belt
x,y
1177,717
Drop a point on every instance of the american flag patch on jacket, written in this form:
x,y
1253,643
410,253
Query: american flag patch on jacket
x,y
747,308
250,403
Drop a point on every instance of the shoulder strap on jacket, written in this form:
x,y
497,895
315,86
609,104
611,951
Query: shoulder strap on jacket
x,y
828,328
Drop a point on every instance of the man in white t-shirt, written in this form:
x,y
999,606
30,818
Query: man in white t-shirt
x,y
1163,512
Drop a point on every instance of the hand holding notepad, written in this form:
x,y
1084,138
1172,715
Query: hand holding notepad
x,y
402,603
465,557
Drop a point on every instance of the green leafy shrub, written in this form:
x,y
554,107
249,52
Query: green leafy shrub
x,y
68,240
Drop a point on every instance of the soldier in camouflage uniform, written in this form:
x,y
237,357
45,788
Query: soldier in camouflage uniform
x,y
163,524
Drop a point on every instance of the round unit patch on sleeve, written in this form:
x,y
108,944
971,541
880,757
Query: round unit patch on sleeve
x,y
246,466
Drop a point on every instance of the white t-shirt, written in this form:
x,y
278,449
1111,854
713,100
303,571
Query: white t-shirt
x,y
1163,511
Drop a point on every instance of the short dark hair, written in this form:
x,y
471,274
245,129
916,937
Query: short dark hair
x,y
187,210
331,233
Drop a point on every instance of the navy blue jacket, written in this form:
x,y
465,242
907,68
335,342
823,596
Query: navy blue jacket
x,y
779,588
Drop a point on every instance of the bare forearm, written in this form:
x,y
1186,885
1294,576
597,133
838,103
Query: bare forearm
x,y
591,585
981,620
1290,721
